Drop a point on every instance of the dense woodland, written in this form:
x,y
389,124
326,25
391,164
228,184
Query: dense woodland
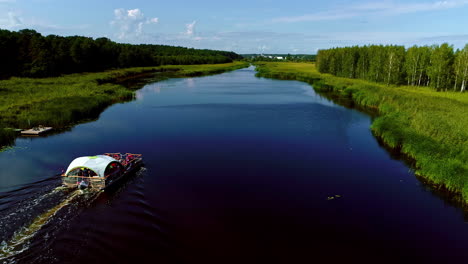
x,y
437,66
28,53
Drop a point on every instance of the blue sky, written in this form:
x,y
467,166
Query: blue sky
x,y
255,26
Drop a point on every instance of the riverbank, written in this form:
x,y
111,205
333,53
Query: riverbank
x,y
62,101
427,126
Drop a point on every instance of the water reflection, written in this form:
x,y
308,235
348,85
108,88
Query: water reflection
x,y
190,82
236,166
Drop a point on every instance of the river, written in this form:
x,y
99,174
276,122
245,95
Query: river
x,y
238,169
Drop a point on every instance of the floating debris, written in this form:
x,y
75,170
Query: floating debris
x,y
334,197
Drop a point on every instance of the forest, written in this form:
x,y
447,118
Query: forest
x,y
436,66
27,53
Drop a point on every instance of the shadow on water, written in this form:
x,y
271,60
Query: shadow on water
x,y
133,82
449,197
441,192
7,137
343,100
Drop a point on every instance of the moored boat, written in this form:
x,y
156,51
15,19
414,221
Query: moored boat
x,y
99,172
36,131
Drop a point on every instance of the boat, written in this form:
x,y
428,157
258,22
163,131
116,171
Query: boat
x,y
36,131
99,172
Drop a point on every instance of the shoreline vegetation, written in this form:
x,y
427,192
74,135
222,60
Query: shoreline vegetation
x,y
427,126
63,101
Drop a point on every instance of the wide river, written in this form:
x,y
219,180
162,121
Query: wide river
x,y
238,169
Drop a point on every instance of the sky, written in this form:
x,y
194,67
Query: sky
x,y
247,26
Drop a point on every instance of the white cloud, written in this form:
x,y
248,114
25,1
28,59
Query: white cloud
x,y
392,8
14,20
11,21
130,23
276,42
263,48
190,28
386,8
190,33
135,14
322,16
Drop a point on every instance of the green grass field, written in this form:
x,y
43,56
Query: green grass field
x,y
63,101
429,127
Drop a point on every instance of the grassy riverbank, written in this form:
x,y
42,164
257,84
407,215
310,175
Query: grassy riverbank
x,y
62,101
428,126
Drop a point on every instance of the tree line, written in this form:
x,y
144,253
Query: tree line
x,y
27,53
437,66
284,57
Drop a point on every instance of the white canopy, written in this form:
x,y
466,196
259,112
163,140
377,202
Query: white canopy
x,y
96,163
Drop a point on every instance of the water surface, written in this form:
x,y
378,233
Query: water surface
x,y
237,169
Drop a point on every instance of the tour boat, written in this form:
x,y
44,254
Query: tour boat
x,y
99,172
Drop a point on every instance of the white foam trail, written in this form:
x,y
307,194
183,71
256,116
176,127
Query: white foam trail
x,y
23,208
19,242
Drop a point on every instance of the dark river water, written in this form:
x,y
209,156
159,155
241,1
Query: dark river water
x,y
238,169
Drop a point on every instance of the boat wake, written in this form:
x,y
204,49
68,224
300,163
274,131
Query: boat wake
x,y
32,215
20,240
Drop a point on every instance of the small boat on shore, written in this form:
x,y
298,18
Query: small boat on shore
x,y
99,172
35,131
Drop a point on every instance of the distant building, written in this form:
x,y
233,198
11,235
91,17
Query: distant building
x,y
279,58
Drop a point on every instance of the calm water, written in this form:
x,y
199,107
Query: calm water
x,y
238,169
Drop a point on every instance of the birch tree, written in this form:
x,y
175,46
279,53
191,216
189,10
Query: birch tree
x,y
362,68
413,59
376,63
441,66
461,69
394,64
424,63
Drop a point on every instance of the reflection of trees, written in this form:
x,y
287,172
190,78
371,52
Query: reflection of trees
x,y
7,137
190,82
439,191
150,89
